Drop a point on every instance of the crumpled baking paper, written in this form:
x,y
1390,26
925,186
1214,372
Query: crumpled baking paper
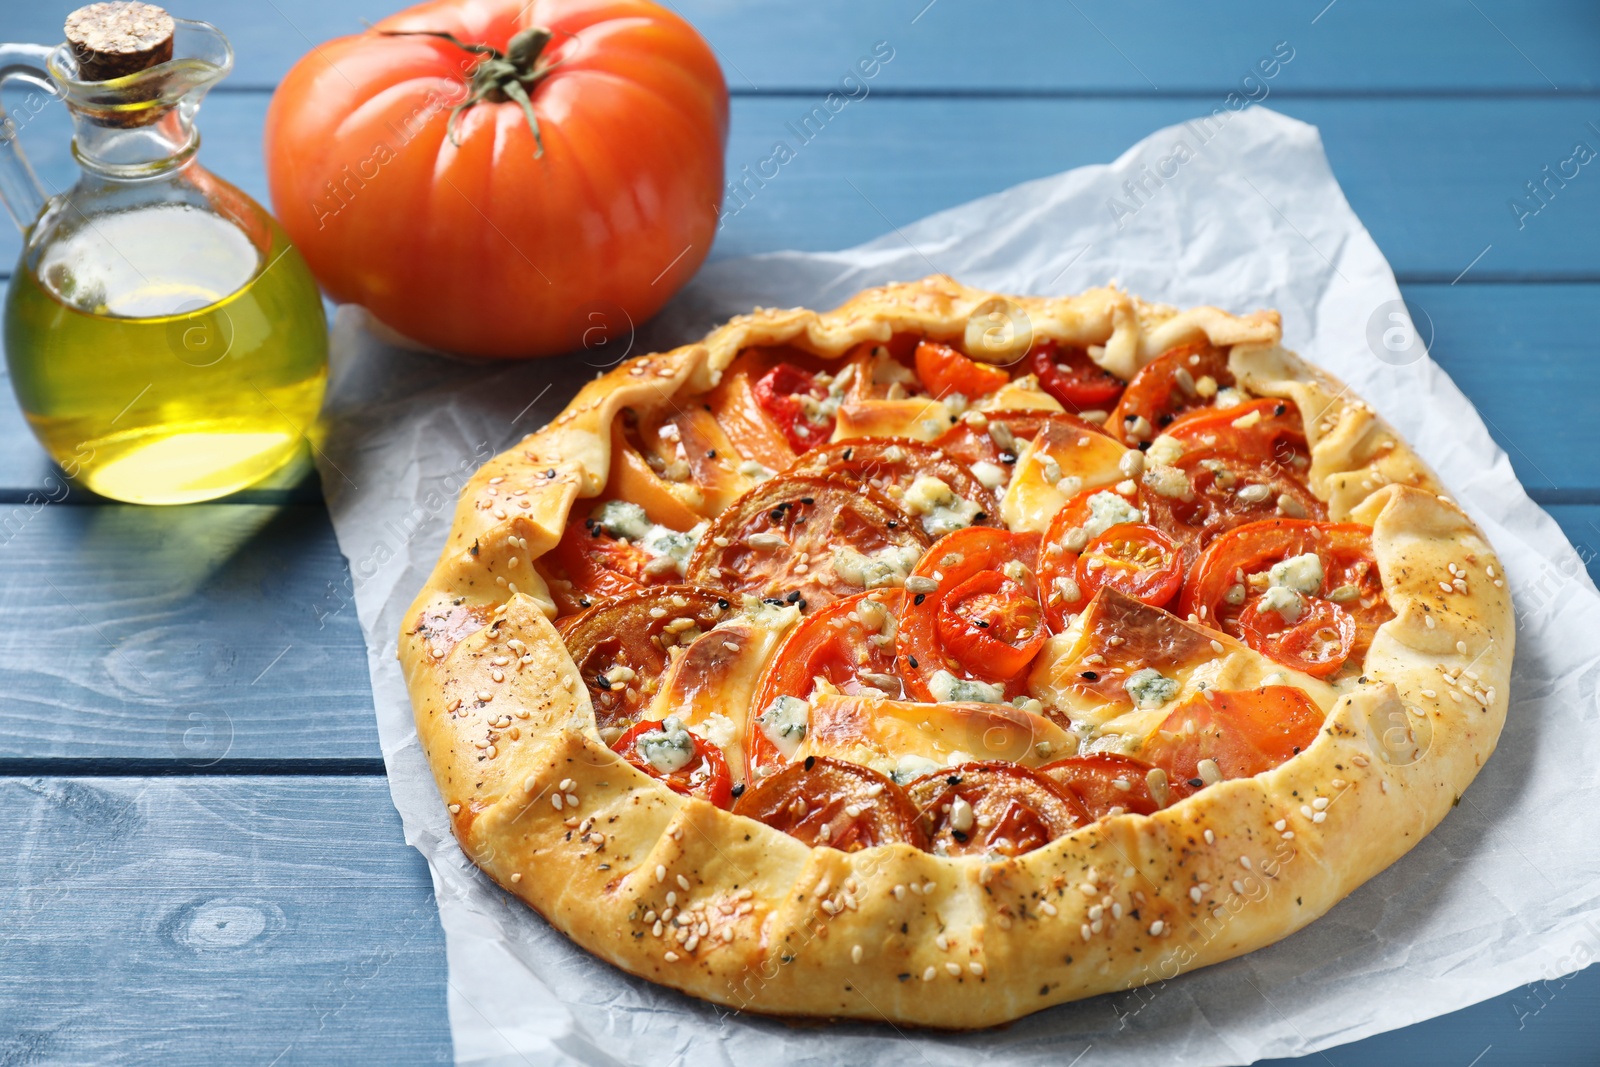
x,y
1239,211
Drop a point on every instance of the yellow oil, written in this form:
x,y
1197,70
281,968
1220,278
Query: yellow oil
x,y
162,356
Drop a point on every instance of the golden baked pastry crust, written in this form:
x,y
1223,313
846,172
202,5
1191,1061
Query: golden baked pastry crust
x,y
601,850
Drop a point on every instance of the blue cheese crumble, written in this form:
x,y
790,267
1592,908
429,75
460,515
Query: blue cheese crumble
x,y
668,749
1150,688
885,568
1302,573
948,689
940,509
619,518
784,724
1289,581
1107,510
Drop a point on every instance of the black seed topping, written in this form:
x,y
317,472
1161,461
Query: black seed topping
x,y
982,624
722,603
1165,420
919,598
958,835
551,473
954,779
1089,676
711,453
1130,419
811,761
738,791
1280,409
980,516
583,602
913,661
1008,458
848,453
807,501
792,597
1144,446
1197,783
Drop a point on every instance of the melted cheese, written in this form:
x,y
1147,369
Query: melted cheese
x,y
919,418
1095,672
1053,467
886,734
1020,394
710,684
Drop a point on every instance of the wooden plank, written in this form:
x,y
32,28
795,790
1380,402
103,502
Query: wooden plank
x,y
1432,179
257,903
1550,1021
181,635
215,920
260,920
1526,356
1090,45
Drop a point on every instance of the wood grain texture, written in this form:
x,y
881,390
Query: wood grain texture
x,y
1095,46
1433,179
189,635
224,920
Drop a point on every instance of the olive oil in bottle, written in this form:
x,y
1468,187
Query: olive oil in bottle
x,y
161,358
166,342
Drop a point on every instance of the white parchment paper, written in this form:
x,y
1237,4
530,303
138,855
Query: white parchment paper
x,y
1243,214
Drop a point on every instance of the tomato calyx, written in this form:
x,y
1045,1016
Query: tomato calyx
x,y
499,76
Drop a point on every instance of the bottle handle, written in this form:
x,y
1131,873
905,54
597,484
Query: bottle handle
x,y
24,197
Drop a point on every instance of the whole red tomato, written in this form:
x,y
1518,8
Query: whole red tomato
x,y
582,179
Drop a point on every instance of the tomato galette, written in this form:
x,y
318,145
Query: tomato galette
x,y
950,655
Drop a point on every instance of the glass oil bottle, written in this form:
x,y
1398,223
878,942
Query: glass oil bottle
x,y
166,342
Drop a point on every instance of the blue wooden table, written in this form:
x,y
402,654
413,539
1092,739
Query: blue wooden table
x,y
199,861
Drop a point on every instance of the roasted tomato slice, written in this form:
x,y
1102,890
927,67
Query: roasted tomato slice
x,y
1081,521
943,371
1262,432
993,807
1236,568
823,801
997,437
971,626
588,565
686,763
806,540
792,399
1105,783
1312,635
1078,382
620,647
1165,388
1224,493
1220,734
890,465
991,622
849,644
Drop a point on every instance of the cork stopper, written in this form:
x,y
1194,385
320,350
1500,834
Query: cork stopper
x,y
113,40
